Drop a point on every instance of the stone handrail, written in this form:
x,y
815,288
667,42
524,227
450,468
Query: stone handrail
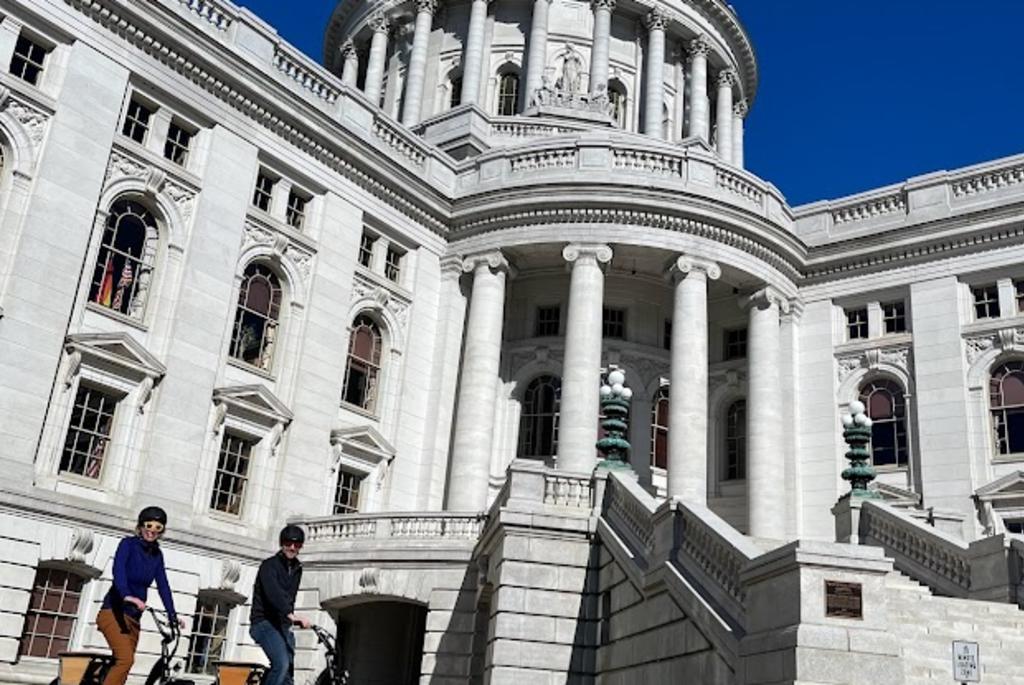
x,y
305,74
630,510
525,128
210,12
395,526
563,489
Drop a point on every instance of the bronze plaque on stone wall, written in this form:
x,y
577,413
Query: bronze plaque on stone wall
x,y
843,600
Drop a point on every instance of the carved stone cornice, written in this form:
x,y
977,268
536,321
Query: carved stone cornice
x,y
586,253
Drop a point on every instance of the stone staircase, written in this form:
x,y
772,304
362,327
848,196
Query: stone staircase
x,y
926,626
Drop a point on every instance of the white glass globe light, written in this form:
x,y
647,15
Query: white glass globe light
x,y
617,388
606,391
627,393
856,407
616,378
847,420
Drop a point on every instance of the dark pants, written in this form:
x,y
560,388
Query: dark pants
x,y
279,646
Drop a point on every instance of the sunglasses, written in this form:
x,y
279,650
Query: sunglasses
x,y
296,545
153,526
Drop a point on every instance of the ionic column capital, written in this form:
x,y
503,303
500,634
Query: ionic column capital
x,y
740,109
602,5
795,311
688,264
587,253
492,260
379,23
451,265
765,298
656,20
700,46
727,78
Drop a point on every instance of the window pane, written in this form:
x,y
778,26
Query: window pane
x,y
52,612
538,422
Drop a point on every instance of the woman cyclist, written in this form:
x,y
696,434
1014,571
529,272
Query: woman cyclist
x,y
137,563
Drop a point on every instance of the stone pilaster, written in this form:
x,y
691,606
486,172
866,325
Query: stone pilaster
x,y
724,114
581,376
474,422
418,62
699,121
378,54
538,49
688,391
654,86
349,64
473,55
765,455
739,113
602,37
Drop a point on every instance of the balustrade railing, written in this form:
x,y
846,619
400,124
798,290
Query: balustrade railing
x,y
893,203
568,490
982,182
212,13
294,67
395,526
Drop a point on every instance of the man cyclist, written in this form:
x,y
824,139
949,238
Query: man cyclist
x,y
273,606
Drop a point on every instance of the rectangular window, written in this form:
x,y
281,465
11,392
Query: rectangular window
x,y
366,250
136,121
393,264
894,317
1015,526
735,344
549,320
856,324
88,434
27,62
177,144
209,635
52,612
295,214
613,323
346,496
232,475
262,197
666,340
986,301
1018,289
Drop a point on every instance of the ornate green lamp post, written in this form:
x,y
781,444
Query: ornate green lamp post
x,y
857,433
614,447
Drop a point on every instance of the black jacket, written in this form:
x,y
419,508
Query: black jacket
x,y
273,595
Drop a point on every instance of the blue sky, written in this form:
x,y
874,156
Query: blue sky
x,y
854,94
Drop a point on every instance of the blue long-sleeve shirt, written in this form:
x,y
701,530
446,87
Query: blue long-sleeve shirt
x,y
137,564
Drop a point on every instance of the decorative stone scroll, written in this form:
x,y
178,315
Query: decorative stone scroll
x,y
82,543
33,119
1003,339
155,181
382,298
299,256
873,358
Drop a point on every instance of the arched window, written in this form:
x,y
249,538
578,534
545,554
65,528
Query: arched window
x,y
659,429
455,91
887,409
1006,401
538,424
735,464
257,318
508,94
124,265
52,612
617,100
362,371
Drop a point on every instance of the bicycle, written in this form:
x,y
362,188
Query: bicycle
x,y
162,673
334,673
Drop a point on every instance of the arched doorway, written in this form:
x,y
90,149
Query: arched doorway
x,y
381,642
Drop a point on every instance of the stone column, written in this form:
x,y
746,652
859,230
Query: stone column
x,y
599,51
378,54
581,375
765,454
678,59
654,62
538,54
418,62
723,116
349,64
688,388
473,55
699,49
739,113
474,419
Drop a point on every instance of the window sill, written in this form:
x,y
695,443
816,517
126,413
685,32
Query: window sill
x,y
272,222
1014,458
881,341
116,316
82,481
381,280
355,409
249,368
888,468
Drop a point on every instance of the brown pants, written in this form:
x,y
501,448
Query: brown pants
x,y
123,639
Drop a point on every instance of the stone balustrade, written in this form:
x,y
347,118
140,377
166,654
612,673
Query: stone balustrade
x,y
572,490
213,13
306,74
987,569
394,526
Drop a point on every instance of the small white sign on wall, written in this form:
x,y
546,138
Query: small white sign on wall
x,y
966,662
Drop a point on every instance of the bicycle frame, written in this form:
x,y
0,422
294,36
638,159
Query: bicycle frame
x,y
161,672
333,673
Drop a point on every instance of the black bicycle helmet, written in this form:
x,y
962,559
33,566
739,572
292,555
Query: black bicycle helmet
x,y
153,514
291,533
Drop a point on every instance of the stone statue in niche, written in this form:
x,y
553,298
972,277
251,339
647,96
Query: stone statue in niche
x,y
572,72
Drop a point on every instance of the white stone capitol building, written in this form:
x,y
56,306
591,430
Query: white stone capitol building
x,y
379,297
